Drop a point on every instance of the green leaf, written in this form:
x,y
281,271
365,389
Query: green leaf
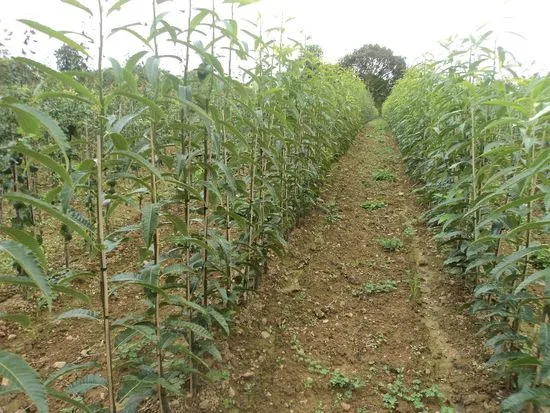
x,y
55,34
64,78
155,109
78,5
533,278
152,70
79,313
51,126
219,318
22,319
198,330
29,264
67,368
46,161
147,278
23,377
55,212
134,59
117,6
514,258
197,109
86,383
149,222
127,28
198,19
517,401
182,302
138,159
73,292
28,240
68,399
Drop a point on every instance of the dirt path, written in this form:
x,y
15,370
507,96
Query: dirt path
x,y
319,338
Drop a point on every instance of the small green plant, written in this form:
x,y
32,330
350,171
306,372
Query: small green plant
x,y
541,259
308,383
408,231
384,175
319,408
416,395
380,125
386,286
333,213
414,285
390,244
373,205
341,381
362,410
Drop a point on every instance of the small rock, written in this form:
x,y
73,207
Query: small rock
x,y
319,313
325,321
59,364
12,337
84,353
346,407
265,334
264,321
232,392
205,404
248,375
5,382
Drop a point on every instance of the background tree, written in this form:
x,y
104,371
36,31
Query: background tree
x,y
69,59
313,50
378,67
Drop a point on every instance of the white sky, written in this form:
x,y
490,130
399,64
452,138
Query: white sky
x,y
411,28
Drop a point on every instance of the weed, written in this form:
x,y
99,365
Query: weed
x,y
333,213
300,296
541,259
373,205
341,381
408,231
414,285
380,125
375,341
384,175
390,244
386,286
417,394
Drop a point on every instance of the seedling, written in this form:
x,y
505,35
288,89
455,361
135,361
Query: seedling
x,y
373,205
384,175
417,394
341,381
386,286
333,213
390,244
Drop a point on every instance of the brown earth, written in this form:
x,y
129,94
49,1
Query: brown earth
x,y
306,337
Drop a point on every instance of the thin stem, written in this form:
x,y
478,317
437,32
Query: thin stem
x,y
104,286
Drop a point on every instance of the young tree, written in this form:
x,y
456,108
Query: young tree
x,y
378,67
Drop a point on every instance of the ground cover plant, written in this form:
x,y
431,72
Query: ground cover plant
x,y
200,176
476,135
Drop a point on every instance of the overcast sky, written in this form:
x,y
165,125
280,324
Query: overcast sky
x,y
411,28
